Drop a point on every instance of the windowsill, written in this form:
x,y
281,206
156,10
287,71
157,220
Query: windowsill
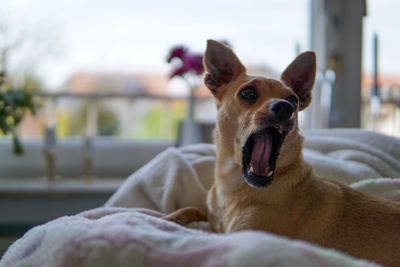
x,y
35,186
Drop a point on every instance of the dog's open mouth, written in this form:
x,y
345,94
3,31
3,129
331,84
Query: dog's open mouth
x,y
260,154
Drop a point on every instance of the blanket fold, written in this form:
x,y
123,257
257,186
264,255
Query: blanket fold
x,y
180,177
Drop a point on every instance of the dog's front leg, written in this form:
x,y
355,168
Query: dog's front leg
x,y
186,215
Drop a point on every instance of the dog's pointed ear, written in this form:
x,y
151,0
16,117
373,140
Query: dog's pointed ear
x,y
221,64
300,77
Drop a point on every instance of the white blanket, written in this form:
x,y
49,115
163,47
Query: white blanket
x,y
125,237
180,177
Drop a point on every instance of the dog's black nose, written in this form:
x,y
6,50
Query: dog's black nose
x,y
282,110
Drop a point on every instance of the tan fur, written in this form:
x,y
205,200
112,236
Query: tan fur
x,y
297,204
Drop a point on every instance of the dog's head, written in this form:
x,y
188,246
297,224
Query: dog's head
x,y
257,116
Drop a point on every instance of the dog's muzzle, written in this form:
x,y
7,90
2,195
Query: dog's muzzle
x,y
261,150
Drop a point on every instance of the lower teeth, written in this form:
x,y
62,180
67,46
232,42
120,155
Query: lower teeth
x,y
250,170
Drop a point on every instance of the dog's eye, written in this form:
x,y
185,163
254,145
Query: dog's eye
x,y
293,100
249,93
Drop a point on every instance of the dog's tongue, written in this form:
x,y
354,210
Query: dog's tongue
x,y
259,163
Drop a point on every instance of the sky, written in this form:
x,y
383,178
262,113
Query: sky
x,y
135,36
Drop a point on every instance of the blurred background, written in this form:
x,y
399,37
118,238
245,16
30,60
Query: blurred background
x,y
96,75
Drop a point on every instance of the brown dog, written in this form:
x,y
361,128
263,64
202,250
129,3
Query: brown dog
x,y
261,179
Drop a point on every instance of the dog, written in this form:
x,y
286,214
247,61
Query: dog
x,y
261,179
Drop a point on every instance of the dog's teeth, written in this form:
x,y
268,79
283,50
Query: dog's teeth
x,y
251,169
270,173
279,129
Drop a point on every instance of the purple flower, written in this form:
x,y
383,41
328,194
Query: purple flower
x,y
189,62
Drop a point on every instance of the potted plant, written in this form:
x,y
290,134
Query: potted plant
x,y
14,104
189,68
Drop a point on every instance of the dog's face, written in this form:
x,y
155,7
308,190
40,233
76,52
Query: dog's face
x,y
257,116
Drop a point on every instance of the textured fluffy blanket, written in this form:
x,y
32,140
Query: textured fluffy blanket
x,y
127,237
180,177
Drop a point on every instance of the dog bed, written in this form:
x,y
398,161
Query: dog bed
x,y
128,230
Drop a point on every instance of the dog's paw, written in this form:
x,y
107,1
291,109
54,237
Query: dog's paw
x,y
186,215
174,219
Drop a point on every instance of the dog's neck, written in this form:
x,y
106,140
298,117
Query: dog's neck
x,y
290,170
